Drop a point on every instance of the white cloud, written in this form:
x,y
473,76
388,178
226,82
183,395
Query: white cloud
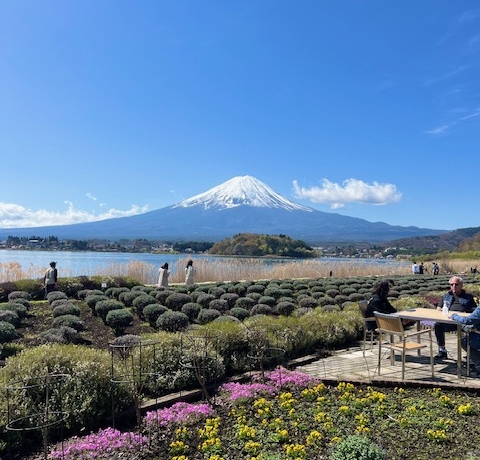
x,y
466,115
16,216
90,195
351,191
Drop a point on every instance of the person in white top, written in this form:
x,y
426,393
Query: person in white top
x,y
189,273
163,273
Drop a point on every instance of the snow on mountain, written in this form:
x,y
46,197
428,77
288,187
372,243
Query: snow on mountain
x,y
241,191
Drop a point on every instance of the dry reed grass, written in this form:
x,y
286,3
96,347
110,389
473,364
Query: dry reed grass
x,y
240,269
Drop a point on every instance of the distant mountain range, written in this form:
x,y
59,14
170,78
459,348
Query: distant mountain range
x,y
240,205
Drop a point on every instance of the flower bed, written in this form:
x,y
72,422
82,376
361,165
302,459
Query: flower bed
x,y
293,416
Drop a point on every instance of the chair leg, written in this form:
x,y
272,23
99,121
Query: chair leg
x,y
432,364
468,356
379,351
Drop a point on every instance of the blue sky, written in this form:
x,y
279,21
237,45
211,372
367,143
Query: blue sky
x,y
367,108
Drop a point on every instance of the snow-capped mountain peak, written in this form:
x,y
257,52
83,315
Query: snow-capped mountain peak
x,y
241,191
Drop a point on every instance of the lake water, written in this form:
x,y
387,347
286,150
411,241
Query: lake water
x,y
91,263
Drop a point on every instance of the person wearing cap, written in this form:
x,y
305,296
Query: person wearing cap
x,y
50,278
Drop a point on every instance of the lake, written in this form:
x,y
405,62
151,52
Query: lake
x,y
91,263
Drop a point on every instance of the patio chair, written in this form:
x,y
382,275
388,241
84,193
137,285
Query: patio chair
x,y
470,330
368,334
390,326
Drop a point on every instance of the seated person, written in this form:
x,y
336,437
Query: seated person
x,y
472,321
379,302
457,300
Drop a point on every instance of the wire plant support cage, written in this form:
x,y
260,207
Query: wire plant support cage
x,y
199,352
36,404
134,362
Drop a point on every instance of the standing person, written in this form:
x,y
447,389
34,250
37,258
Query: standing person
x,y
189,273
163,273
435,268
420,268
50,278
414,268
456,299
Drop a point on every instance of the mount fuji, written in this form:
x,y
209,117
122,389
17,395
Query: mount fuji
x,y
242,204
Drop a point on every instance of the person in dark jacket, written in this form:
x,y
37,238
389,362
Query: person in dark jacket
x,y
379,302
470,323
456,299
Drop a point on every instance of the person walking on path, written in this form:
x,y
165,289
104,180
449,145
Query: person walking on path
x,y
50,278
189,273
456,300
163,273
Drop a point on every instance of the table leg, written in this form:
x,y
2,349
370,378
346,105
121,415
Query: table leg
x,y
459,350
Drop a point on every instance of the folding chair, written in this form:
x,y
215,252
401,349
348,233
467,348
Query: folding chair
x,y
469,330
367,321
391,325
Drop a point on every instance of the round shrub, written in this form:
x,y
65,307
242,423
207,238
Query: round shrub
x,y
62,334
348,290
267,300
146,289
152,312
103,307
127,341
21,301
284,308
92,299
258,288
177,300
239,313
231,298
18,308
207,315
118,320
325,301
19,295
9,316
253,295
172,321
58,302
332,292
7,332
262,309
82,294
162,296
310,302
240,289
217,292
339,299
286,285
317,295
219,304
245,302
317,289
205,299
138,303
71,289
127,298
356,297
357,447
330,308
115,291
69,321
67,308
191,309
274,292
56,295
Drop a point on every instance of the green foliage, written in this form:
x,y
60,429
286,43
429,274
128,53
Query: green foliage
x,y
262,309
357,447
66,308
177,300
230,298
239,313
119,320
204,299
7,332
70,321
92,299
172,321
87,392
105,306
9,316
128,297
251,244
267,300
142,301
56,295
285,308
246,302
219,304
207,315
191,309
152,312
310,302
62,334
19,295
18,308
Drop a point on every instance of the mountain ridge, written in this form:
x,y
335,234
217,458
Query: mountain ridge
x,y
241,205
